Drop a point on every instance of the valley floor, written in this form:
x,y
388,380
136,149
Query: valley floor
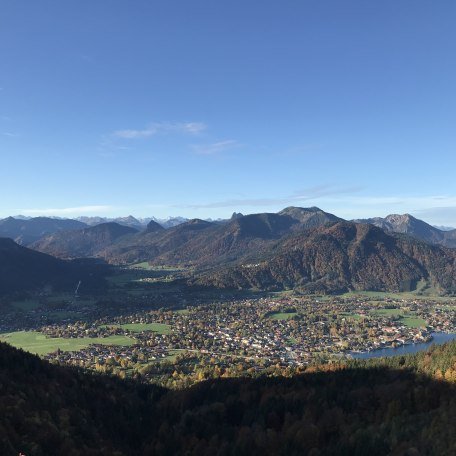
x,y
213,337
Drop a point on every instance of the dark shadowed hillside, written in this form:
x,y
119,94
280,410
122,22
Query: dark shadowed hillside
x,y
49,410
24,269
393,406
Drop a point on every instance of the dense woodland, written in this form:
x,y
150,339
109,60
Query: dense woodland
x,y
340,257
398,406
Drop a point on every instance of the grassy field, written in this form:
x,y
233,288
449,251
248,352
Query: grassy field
x,y
411,295
350,315
162,269
413,322
138,292
60,315
378,295
292,341
407,318
26,305
143,265
60,297
122,278
388,312
51,302
138,327
182,311
282,315
38,343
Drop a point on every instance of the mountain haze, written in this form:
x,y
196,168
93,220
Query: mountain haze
x,y
82,243
129,221
26,231
407,224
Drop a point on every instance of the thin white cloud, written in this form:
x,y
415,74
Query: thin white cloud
x,y
413,203
68,211
215,148
344,202
434,209
192,128
298,197
9,134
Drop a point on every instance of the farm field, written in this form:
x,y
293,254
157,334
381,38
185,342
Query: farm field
x,y
282,315
139,327
182,311
388,312
406,295
413,322
142,265
407,318
26,305
38,343
351,315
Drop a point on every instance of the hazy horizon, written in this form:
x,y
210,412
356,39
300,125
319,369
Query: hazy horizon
x,y
190,216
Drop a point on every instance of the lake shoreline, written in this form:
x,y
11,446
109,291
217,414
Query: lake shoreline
x,y
438,338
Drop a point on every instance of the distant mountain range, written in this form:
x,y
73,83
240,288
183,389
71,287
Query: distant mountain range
x,y
26,231
303,248
444,228
86,242
407,224
125,221
138,223
195,242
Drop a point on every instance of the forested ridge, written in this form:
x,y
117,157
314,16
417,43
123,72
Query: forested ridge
x,y
397,406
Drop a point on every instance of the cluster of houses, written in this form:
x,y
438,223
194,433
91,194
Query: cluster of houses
x,y
290,330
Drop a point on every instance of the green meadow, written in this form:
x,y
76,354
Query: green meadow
x,y
407,318
139,327
38,343
26,305
282,315
351,315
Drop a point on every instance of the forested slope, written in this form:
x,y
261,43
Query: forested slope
x,y
398,406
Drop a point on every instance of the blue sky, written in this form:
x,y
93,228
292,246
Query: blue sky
x,y
201,108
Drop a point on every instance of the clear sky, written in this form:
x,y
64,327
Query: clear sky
x,y
201,108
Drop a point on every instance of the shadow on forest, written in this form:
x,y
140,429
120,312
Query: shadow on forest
x,y
352,411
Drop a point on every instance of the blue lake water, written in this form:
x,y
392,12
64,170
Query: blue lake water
x,y
438,338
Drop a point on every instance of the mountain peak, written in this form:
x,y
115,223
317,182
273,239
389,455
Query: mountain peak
x,y
197,221
309,217
153,227
236,215
295,209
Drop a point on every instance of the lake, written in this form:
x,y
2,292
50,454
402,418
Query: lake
x,y
438,338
